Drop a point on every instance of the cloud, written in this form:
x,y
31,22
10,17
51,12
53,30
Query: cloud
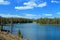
x,y
29,16
9,15
27,5
30,5
54,1
58,13
32,16
42,4
2,2
47,14
23,7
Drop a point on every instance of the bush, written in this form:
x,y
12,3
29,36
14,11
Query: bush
x,y
19,34
1,28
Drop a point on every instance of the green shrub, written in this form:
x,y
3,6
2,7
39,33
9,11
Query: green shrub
x,y
1,28
19,34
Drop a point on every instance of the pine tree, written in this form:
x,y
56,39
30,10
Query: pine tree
x,y
19,33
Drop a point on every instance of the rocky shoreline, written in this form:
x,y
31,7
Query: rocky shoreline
x,y
7,36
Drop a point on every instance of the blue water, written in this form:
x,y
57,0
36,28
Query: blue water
x,y
34,31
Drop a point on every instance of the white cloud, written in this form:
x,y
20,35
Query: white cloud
x,y
9,15
54,1
42,4
23,7
47,14
27,5
30,5
32,16
3,2
58,13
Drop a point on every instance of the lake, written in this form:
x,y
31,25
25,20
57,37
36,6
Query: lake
x,y
34,31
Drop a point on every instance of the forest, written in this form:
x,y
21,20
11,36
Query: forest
x,y
15,20
48,20
25,20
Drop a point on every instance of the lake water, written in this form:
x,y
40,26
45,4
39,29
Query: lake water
x,y
34,31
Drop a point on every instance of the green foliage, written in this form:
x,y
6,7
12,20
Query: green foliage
x,y
19,34
48,20
1,28
15,20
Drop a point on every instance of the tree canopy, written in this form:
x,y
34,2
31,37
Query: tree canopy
x,y
48,20
15,20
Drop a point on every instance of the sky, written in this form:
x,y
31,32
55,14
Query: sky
x,y
32,9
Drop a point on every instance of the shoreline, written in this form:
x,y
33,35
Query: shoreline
x,y
9,36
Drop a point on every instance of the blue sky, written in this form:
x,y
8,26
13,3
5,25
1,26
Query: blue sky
x,y
32,9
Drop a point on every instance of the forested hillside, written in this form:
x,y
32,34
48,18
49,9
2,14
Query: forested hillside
x,y
15,20
48,20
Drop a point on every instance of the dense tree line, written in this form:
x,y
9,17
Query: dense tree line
x,y
14,20
48,20
11,21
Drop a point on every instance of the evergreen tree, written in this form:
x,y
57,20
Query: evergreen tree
x,y
19,33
